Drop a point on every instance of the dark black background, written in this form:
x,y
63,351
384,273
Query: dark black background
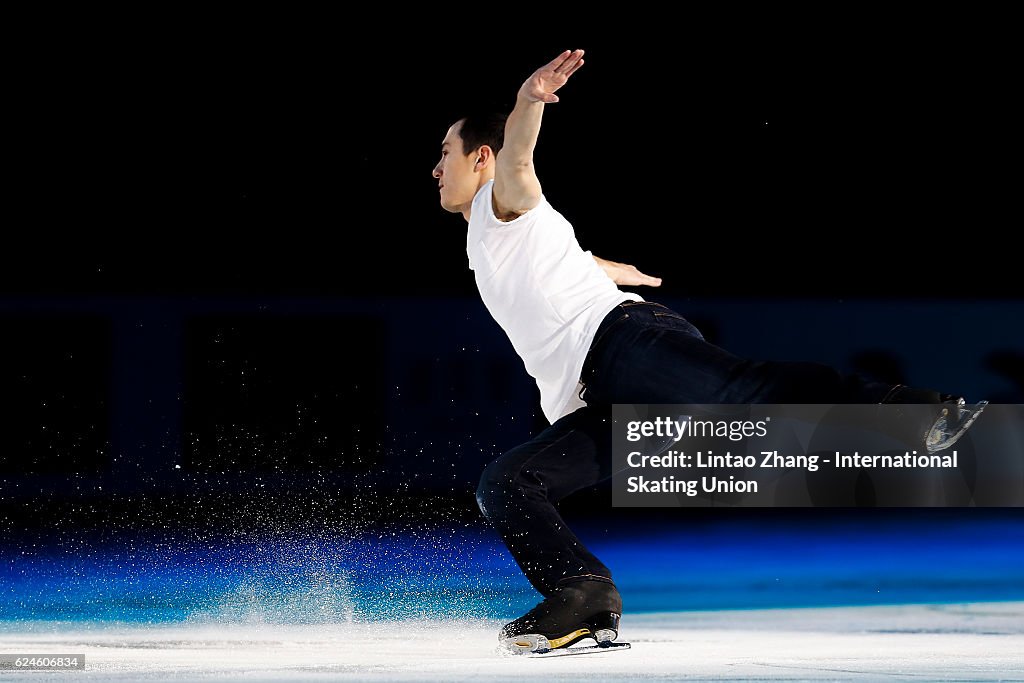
x,y
293,155
234,158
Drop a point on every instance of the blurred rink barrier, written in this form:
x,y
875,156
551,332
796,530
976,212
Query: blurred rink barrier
x,y
108,396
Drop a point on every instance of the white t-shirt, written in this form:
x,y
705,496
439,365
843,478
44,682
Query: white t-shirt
x,y
548,294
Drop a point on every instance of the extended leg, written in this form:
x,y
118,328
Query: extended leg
x,y
650,354
647,353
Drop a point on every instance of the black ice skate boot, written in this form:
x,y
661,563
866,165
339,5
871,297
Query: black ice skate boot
x,y
587,609
952,423
953,416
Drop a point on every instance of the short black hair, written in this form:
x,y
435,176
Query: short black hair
x,y
483,128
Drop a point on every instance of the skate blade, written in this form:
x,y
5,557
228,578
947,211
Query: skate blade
x,y
534,642
525,644
536,645
942,436
581,650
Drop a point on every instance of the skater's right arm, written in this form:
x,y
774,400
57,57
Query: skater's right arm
x,y
625,274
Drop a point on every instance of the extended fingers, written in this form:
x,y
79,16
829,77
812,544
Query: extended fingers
x,y
567,62
638,277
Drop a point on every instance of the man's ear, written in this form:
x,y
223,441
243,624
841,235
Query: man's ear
x,y
483,155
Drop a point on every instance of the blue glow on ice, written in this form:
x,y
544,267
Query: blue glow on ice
x,y
383,575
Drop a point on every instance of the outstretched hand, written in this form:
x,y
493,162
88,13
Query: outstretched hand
x,y
542,84
625,274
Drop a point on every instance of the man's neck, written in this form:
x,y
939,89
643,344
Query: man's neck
x,y
483,181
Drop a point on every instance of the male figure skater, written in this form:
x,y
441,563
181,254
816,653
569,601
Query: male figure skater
x,y
590,345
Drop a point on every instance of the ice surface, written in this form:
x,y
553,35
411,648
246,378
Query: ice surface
x,y
969,641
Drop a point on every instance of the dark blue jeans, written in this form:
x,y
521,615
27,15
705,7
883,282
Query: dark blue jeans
x,y
643,352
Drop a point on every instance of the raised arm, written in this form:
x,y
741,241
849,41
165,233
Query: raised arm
x,y
516,188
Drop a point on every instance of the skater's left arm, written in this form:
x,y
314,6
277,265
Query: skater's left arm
x,y
516,187
624,274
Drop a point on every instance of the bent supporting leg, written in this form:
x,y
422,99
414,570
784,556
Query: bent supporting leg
x,y
519,490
